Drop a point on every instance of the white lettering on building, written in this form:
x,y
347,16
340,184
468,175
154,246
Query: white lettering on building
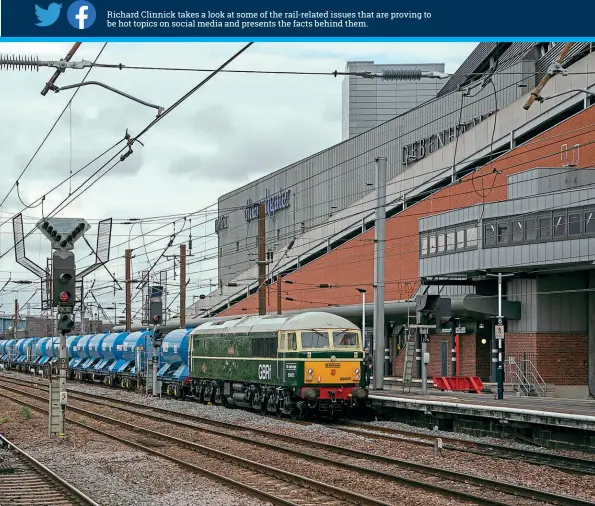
x,y
419,149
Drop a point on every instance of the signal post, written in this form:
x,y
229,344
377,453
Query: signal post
x,y
156,314
63,233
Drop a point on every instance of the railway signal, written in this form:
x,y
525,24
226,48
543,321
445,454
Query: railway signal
x,y
63,233
64,279
156,316
432,312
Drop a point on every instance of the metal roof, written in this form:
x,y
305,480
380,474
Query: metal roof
x,y
274,323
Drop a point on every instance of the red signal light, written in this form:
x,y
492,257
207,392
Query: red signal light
x,y
156,318
64,297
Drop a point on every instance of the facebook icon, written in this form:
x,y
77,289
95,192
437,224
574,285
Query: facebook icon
x,y
81,14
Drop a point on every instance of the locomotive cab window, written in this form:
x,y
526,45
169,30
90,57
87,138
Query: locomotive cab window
x,y
282,342
314,339
291,341
343,339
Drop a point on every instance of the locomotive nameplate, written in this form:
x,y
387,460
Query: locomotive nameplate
x,y
290,370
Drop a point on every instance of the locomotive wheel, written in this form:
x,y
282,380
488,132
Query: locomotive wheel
x,y
295,414
263,407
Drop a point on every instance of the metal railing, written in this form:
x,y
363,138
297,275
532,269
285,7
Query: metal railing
x,y
520,371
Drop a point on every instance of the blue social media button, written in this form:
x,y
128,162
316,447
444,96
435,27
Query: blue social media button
x,y
47,17
81,14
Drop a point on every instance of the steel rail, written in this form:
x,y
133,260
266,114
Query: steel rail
x,y
72,493
486,483
265,470
562,462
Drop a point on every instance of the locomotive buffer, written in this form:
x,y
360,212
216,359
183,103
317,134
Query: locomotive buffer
x,y
63,233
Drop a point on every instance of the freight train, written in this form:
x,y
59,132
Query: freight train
x,y
295,365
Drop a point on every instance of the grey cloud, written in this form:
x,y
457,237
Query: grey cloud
x,y
262,144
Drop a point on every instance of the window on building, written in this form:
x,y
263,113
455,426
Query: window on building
x,y
545,227
472,237
489,235
460,239
220,252
517,231
503,232
531,229
432,245
237,245
450,241
590,222
440,243
574,223
424,245
560,225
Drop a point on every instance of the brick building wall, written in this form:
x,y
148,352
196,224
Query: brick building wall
x,y
44,327
351,265
560,358
563,358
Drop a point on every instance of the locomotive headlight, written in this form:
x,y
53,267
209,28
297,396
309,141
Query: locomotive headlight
x,y
310,374
356,373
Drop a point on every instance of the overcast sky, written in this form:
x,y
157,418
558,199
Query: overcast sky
x,y
235,129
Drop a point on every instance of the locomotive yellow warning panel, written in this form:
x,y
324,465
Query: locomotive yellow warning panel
x,y
331,372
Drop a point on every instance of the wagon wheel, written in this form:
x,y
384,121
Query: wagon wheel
x,y
263,406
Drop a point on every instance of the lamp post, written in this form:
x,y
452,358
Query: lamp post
x,y
363,292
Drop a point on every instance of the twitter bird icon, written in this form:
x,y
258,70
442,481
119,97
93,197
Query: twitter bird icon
x,y
47,16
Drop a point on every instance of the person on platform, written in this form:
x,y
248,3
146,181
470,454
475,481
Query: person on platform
x,y
368,362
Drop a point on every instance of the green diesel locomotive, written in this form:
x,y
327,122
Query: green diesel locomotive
x,y
295,365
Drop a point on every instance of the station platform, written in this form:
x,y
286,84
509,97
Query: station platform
x,y
547,421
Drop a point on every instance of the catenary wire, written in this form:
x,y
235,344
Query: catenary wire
x,y
146,129
15,184
273,174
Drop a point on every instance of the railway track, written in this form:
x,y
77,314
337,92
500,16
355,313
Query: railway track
x,y
465,487
562,462
263,481
25,481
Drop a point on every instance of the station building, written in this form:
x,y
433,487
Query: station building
x,y
477,185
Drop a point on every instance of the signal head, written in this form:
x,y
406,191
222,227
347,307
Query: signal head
x,y
45,225
63,244
65,277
